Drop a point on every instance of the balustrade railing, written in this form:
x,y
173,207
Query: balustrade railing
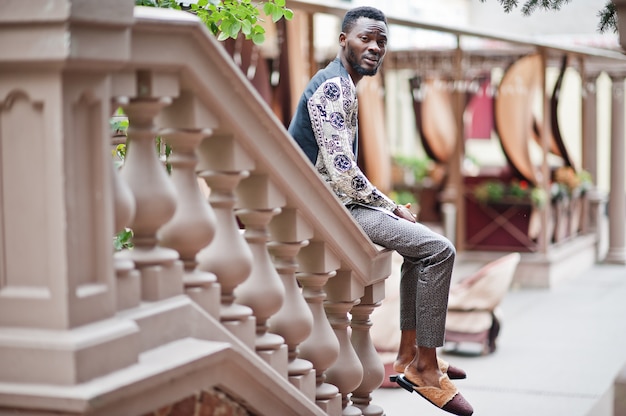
x,y
266,273
250,188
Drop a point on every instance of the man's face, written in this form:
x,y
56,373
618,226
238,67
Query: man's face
x,y
365,45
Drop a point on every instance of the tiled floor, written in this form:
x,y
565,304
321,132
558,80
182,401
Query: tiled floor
x,y
558,353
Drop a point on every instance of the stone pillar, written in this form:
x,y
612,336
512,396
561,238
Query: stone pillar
x,y
617,195
57,281
594,201
452,197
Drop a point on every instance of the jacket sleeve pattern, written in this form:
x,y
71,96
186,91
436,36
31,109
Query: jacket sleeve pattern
x,y
333,110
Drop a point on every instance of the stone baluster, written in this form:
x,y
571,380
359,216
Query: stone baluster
x,y
128,285
222,165
346,373
161,271
294,321
193,226
318,265
372,365
263,291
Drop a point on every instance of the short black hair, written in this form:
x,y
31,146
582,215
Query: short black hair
x,y
354,14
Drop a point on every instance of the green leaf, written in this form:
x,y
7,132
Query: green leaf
x,y
280,3
277,14
234,29
258,38
268,8
225,27
123,239
288,13
149,3
246,27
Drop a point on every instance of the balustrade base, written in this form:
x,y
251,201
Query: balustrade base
x,y
305,383
351,411
616,256
161,282
128,289
371,410
66,357
331,407
244,329
276,358
207,297
161,376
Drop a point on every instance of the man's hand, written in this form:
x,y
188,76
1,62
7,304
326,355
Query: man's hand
x,y
404,212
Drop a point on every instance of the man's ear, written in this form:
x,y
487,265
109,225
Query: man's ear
x,y
342,39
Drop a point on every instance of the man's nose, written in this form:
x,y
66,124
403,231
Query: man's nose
x,y
373,47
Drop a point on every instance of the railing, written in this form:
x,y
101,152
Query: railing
x,y
260,314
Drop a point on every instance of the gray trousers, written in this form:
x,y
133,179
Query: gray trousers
x,y
425,274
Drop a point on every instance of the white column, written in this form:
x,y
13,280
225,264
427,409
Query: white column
x,y
590,125
594,201
617,195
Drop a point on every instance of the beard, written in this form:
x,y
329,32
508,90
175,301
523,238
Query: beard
x,y
352,59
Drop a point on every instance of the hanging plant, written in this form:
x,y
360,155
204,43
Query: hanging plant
x,y
227,18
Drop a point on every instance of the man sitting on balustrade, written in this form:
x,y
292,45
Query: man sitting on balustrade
x,y
325,127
